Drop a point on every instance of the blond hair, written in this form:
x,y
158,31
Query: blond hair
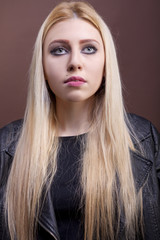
x,y
106,179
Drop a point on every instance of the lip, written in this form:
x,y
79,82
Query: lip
x,y
75,79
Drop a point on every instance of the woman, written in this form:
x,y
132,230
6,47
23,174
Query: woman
x,y
78,167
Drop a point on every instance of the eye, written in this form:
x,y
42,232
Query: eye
x,y
89,50
59,51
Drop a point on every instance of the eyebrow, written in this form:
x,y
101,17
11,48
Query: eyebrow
x,y
88,40
67,41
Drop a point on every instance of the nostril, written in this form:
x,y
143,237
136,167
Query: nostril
x,y
74,67
71,68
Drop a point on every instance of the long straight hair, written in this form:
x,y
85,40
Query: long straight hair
x,y
106,175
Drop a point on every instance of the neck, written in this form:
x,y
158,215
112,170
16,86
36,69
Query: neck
x,y
73,117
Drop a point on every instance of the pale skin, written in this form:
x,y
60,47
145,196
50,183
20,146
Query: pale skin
x,y
73,48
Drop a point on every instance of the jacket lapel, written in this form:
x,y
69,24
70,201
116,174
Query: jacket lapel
x,y
47,218
141,168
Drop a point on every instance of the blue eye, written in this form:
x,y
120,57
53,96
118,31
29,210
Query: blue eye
x,y
58,51
89,50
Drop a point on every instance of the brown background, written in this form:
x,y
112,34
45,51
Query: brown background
x,y
135,28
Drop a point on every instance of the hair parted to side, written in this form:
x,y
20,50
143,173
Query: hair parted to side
x,y
107,181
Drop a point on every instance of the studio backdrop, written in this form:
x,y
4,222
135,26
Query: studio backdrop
x,y
135,29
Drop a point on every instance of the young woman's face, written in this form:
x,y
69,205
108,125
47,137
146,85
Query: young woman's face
x,y
73,59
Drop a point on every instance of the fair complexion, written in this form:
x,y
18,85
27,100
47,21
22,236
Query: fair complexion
x,y
73,58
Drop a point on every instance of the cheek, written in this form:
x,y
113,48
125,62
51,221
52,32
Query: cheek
x,y
98,74
97,70
50,75
55,69
53,75
50,70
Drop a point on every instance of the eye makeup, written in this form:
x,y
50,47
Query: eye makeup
x,y
57,51
89,49
62,47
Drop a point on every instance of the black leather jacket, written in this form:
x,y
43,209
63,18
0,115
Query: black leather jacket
x,y
146,171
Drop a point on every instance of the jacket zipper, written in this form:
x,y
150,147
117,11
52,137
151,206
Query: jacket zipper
x,y
48,231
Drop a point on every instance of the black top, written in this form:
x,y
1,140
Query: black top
x,y
66,191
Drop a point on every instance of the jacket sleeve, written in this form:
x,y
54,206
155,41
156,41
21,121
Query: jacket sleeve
x,y
8,140
156,142
7,143
5,136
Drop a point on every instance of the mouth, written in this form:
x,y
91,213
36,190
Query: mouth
x,y
75,79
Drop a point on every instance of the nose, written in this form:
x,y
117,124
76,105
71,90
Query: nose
x,y
74,62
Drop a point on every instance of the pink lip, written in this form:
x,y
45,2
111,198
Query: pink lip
x,y
75,81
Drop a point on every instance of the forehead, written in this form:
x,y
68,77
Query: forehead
x,y
74,28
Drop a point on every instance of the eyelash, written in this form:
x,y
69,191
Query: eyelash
x,y
54,51
94,49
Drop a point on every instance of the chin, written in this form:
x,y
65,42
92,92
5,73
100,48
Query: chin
x,y
76,98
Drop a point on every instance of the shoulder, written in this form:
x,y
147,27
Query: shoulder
x,y
142,127
9,134
145,132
